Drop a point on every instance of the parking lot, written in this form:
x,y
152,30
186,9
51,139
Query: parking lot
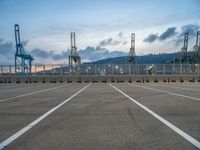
x,y
100,116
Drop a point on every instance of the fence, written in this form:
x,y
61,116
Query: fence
x,y
107,69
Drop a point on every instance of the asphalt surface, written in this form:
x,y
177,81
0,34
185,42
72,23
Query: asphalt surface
x,y
99,117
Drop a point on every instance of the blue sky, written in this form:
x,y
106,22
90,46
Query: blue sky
x,y
46,24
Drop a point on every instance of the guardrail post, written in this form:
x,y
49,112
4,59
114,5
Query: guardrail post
x,y
86,70
112,69
181,69
78,69
35,70
10,70
51,69
146,69
95,71
44,70
1,69
69,70
198,69
61,70
121,69
164,69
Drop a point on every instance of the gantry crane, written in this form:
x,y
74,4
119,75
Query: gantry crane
x,y
74,58
132,57
182,56
23,60
196,49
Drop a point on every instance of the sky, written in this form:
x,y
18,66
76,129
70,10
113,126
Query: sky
x,y
103,27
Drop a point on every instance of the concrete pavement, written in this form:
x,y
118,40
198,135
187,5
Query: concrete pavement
x,y
101,118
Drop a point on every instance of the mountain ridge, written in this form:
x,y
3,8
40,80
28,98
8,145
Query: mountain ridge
x,y
162,58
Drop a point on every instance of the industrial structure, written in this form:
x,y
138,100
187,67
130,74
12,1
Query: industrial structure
x,y
192,57
183,56
132,56
74,58
186,67
23,60
196,50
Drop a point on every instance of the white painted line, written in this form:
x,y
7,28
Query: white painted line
x,y
10,90
171,93
18,96
178,87
35,122
164,121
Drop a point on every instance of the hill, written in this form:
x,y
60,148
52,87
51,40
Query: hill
x,y
145,59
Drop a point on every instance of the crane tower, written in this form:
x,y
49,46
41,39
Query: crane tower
x,y
74,58
197,45
23,60
132,56
196,49
184,54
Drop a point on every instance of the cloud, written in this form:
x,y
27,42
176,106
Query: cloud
x,y
42,56
40,53
170,32
120,34
112,41
89,54
125,42
62,55
106,42
151,38
24,42
167,34
7,51
97,53
191,29
6,48
109,42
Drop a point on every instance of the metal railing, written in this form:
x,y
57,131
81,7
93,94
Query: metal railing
x,y
106,69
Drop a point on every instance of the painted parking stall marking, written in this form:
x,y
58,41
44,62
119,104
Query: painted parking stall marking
x,y
35,122
164,121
